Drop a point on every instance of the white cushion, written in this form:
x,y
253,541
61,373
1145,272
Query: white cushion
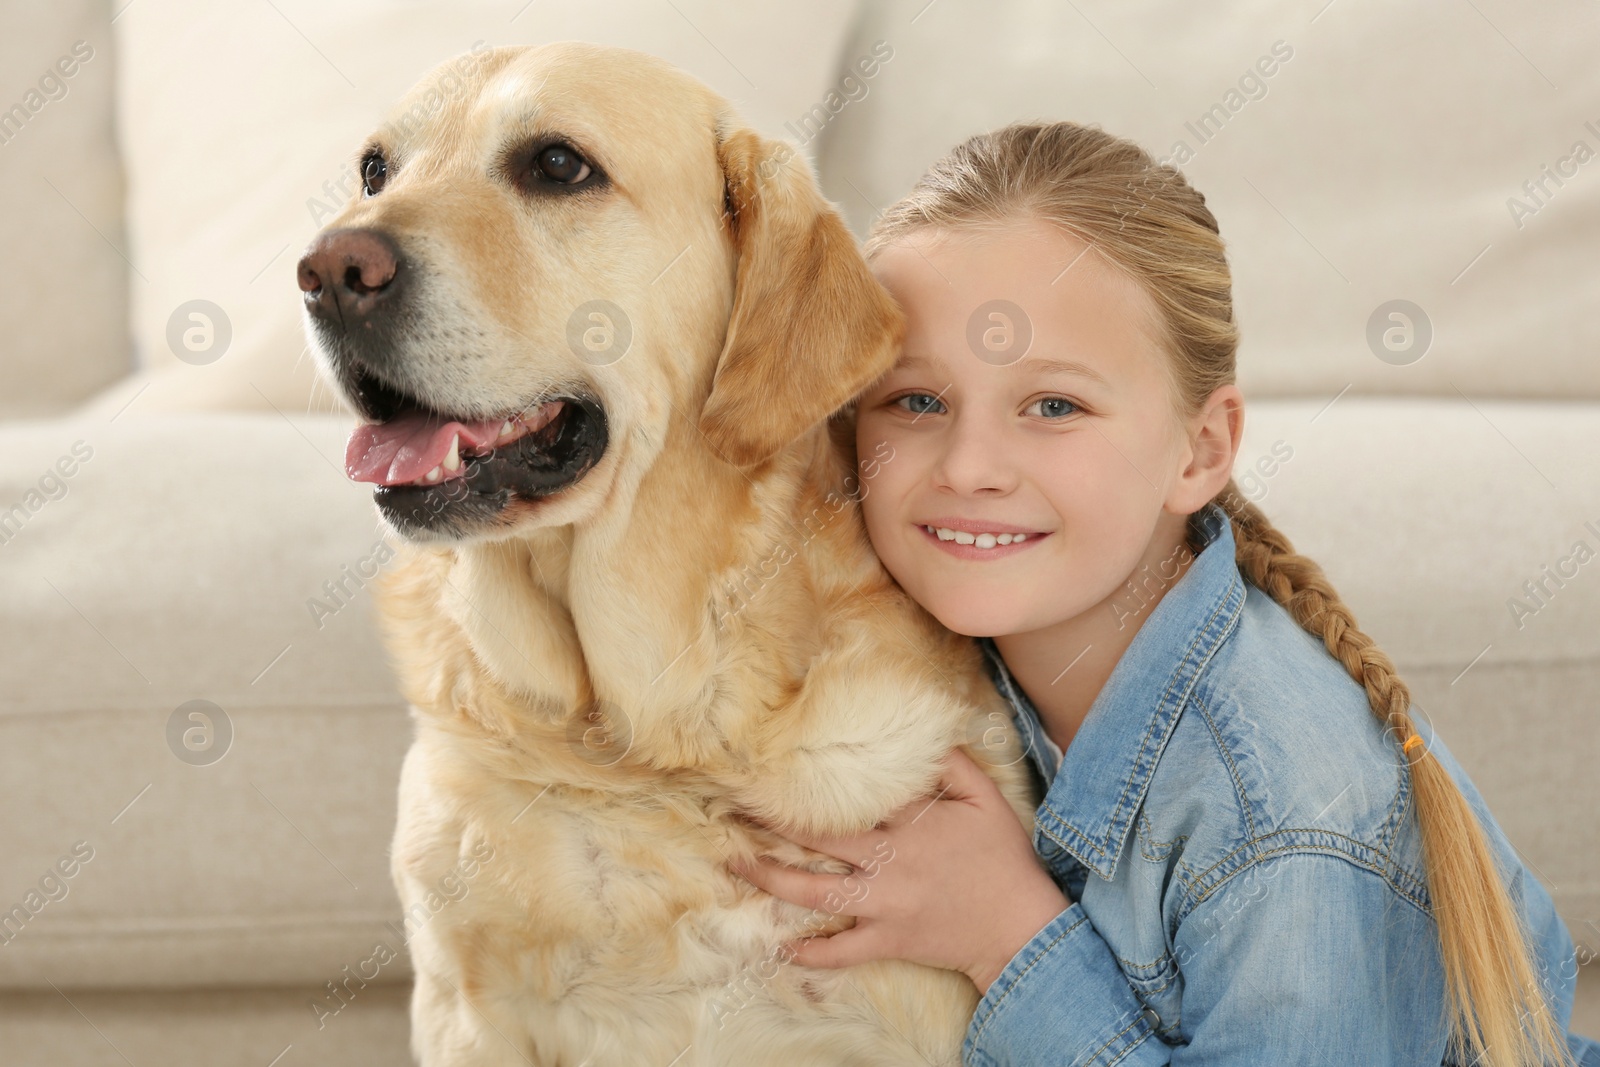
x,y
63,278
216,1027
1428,517
233,166
1375,164
179,563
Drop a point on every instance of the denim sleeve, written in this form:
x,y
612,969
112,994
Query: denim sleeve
x,y
1062,999
1557,961
1303,958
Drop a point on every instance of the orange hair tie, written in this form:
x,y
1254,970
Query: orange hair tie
x,y
1414,739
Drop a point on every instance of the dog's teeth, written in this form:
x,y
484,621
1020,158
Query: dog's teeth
x,y
505,428
452,462
434,475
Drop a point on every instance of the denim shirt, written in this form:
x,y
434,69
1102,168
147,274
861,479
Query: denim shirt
x,y
1234,830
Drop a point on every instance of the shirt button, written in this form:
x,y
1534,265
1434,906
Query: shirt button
x,y
1149,1015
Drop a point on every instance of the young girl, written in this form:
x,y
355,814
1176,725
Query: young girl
x,y
1249,851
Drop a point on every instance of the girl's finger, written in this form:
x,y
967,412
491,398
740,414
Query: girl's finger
x,y
836,894
959,779
963,777
843,949
837,847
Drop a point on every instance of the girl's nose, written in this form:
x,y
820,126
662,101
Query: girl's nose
x,y
974,460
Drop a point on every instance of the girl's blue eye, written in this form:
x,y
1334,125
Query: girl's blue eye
x,y
915,410
1061,402
1060,408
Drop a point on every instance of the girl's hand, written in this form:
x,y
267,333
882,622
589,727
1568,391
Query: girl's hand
x,y
949,882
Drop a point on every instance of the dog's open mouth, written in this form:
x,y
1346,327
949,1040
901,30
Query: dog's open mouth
x,y
424,461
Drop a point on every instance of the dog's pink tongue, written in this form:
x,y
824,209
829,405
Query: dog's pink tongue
x,y
407,447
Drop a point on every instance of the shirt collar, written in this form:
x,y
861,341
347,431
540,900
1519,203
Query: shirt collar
x,y
1100,784
1036,744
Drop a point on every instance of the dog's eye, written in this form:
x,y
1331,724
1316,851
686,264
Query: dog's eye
x,y
546,164
561,163
374,173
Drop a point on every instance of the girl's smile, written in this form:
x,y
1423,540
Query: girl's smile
x,y
1046,414
976,539
1067,375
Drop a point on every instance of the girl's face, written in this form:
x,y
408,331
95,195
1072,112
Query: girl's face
x,y
1051,416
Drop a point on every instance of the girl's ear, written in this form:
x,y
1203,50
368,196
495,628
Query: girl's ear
x,y
1215,438
811,327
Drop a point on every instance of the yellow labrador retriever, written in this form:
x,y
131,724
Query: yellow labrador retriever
x,y
596,329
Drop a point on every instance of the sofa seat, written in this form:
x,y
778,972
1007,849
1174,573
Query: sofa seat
x,y
268,866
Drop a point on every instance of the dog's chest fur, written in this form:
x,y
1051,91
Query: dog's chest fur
x,y
601,723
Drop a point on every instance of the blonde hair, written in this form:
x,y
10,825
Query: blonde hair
x,y
1147,221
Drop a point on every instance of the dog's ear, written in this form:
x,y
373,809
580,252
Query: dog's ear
x,y
811,327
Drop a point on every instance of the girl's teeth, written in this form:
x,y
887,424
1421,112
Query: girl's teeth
x,y
983,540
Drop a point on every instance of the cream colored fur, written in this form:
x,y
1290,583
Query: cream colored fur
x,y
704,602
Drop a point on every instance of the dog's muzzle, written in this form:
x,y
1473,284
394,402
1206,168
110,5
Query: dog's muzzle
x,y
435,472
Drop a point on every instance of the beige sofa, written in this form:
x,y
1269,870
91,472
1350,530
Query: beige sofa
x,y
175,527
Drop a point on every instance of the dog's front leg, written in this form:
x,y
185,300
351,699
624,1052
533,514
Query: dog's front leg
x,y
448,1030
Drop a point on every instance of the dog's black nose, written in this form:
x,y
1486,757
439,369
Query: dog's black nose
x,y
347,275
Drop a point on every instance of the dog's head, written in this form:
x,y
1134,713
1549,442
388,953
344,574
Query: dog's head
x,y
557,257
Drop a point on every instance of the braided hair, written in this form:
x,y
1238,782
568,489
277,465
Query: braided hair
x,y
1147,221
